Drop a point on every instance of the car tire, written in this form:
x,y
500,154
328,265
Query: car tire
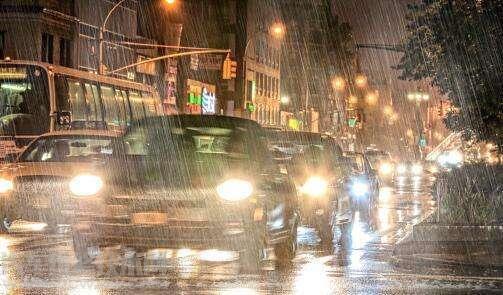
x,y
252,255
81,249
325,229
285,251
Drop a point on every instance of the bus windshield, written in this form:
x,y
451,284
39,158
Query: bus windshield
x,y
24,100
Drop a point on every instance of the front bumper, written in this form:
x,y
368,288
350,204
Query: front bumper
x,y
187,224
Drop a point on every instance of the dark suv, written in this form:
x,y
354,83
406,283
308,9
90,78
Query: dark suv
x,y
192,181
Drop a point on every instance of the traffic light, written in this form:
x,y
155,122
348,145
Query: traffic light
x,y
229,69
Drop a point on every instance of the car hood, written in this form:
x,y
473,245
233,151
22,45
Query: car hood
x,y
62,169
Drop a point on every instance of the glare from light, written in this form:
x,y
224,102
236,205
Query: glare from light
x,y
315,186
238,291
285,100
385,194
277,30
410,96
385,168
361,81
338,83
313,278
454,157
235,189
371,98
360,188
170,1
4,247
417,169
214,255
85,185
425,96
5,185
85,289
184,252
401,169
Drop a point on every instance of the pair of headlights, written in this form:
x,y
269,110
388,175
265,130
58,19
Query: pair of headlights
x,y
86,185
416,169
229,190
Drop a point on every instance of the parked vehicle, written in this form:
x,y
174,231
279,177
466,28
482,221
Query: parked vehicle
x,y
194,181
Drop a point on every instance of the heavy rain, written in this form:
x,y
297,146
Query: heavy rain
x,y
251,146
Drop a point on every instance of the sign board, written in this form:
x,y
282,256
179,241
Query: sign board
x,y
208,102
211,62
146,68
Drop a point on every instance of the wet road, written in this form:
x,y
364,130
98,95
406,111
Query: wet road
x,y
358,263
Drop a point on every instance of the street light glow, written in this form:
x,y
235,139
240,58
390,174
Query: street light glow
x,y
361,81
170,1
285,100
277,30
371,98
338,83
353,99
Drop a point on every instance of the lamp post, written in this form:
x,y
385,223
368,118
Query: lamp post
x,y
101,65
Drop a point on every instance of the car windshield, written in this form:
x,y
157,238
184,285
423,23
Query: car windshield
x,y
67,149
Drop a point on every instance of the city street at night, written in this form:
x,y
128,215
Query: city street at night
x,y
361,264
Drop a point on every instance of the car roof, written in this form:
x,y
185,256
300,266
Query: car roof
x,y
83,132
198,121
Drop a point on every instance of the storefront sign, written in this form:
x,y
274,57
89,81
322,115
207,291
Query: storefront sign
x,y
208,102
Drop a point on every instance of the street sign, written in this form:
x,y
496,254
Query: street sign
x,y
194,62
352,122
210,62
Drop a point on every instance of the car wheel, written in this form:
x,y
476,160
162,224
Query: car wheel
x,y
5,224
325,229
81,249
285,251
252,255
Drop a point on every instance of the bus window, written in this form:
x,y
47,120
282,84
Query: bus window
x,y
149,102
78,105
123,109
93,102
112,112
24,100
137,107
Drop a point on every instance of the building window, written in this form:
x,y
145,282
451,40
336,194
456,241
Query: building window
x,y
2,45
47,47
65,57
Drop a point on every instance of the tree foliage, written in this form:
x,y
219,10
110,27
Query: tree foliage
x,y
457,45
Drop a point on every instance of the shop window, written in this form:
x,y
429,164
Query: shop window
x,y
47,47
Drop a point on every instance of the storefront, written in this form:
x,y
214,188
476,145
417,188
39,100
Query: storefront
x,y
201,98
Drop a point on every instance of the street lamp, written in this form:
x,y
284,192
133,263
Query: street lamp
x,y
101,66
371,98
339,83
361,81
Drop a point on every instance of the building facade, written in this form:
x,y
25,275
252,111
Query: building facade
x,y
243,28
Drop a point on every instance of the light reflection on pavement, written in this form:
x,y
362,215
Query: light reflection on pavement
x,y
359,262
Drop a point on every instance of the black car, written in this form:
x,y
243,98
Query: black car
x,y
316,167
192,181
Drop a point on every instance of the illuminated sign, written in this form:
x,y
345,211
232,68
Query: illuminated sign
x,y
208,102
12,72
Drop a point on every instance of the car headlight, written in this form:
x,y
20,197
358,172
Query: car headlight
x,y
315,186
417,169
360,188
401,169
385,168
86,185
5,185
235,189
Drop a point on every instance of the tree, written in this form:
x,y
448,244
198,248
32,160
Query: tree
x,y
456,44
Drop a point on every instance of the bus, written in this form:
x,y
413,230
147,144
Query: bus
x,y
37,97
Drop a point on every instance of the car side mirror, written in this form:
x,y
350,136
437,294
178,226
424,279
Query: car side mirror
x,y
63,118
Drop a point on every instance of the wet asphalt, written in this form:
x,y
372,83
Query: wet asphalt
x,y
360,262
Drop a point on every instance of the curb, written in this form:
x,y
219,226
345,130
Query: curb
x,y
409,261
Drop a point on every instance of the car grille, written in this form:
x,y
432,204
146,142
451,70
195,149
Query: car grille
x,y
39,190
